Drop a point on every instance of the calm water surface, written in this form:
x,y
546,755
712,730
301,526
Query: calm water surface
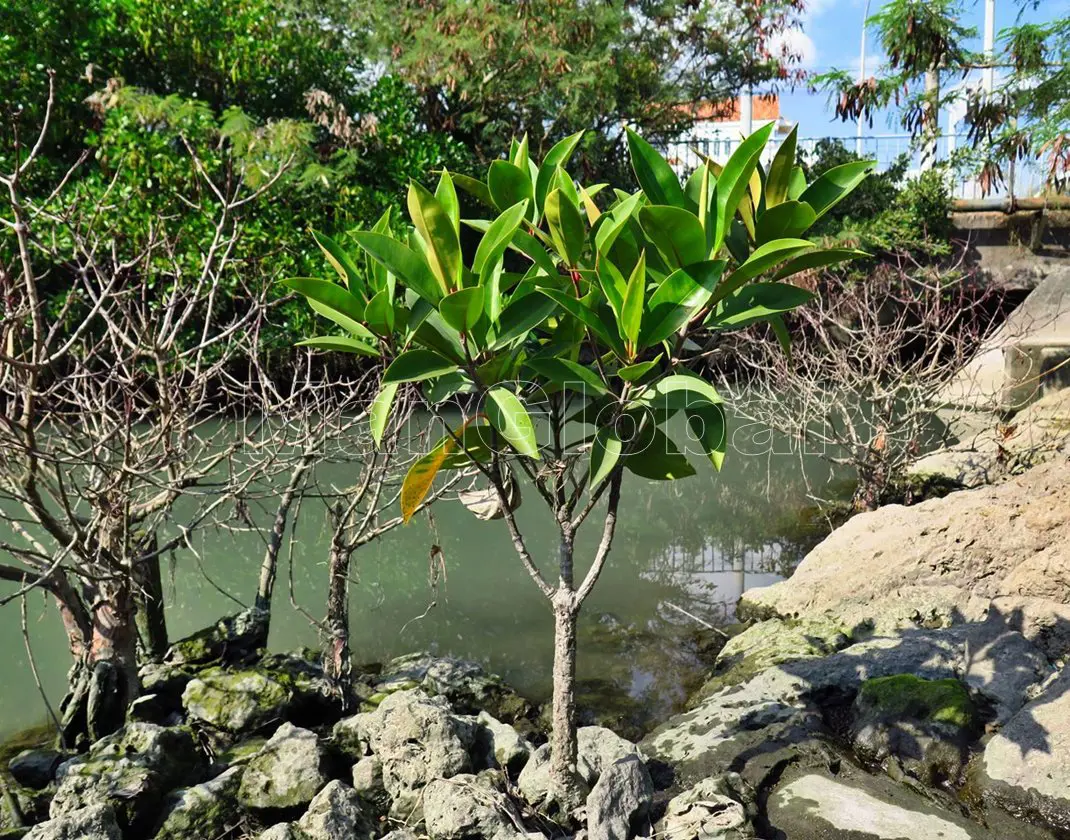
x,y
683,553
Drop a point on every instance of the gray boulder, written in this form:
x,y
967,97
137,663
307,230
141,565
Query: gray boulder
x,y
597,749
468,688
416,738
131,770
1026,765
369,786
714,809
95,822
35,768
468,807
288,772
209,809
230,639
281,831
620,801
500,745
236,701
336,813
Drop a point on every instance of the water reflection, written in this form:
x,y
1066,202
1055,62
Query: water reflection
x,y
683,553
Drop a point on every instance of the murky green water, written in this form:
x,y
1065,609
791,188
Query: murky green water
x,y
683,553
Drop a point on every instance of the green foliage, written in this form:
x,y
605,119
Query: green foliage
x,y
579,312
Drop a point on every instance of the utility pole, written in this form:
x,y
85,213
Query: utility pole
x,y
746,111
862,76
988,77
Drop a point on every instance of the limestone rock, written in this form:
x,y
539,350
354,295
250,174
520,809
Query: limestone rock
x,y
209,809
466,807
944,560
368,783
769,643
281,831
35,768
468,688
231,639
597,749
336,813
500,745
94,822
130,770
815,807
924,726
713,809
288,772
1026,766
416,738
236,701
620,801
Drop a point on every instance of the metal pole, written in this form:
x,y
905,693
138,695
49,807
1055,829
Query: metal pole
x,y
861,76
988,77
746,110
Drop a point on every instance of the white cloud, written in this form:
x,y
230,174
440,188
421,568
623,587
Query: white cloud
x,y
799,43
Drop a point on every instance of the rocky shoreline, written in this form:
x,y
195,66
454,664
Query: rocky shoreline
x,y
908,682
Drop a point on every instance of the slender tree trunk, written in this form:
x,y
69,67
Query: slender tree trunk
x,y
563,747
336,656
113,656
151,619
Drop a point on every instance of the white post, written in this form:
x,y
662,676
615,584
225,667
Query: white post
x,y
862,76
988,77
746,111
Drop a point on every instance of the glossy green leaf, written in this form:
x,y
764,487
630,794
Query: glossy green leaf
x,y
676,233
734,180
757,302
684,389
614,221
818,259
340,344
605,454
566,227
379,313
558,155
474,187
523,243
656,457
446,194
780,330
761,260
462,308
797,185
568,374
498,236
633,373
521,316
778,180
334,302
439,235
379,413
509,185
789,219
677,299
588,317
519,153
631,310
409,266
709,429
507,414
654,174
834,186
417,365
340,261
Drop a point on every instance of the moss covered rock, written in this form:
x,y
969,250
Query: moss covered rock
x,y
922,726
287,773
237,701
769,643
206,810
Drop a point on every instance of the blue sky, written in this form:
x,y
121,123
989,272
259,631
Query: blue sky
x,y
831,38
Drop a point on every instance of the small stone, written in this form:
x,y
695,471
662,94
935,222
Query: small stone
x,y
711,810
281,831
336,814
620,801
597,749
500,744
35,768
466,807
236,701
287,773
368,783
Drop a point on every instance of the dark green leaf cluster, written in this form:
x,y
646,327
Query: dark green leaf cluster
x,y
562,295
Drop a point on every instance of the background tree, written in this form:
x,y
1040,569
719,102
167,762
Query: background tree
x,y
488,72
591,326
929,53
